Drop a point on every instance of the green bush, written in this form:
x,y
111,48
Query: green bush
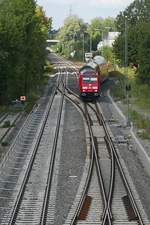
x,y
3,109
118,90
141,93
48,68
6,124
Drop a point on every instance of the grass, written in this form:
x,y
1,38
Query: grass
x,y
3,109
140,93
48,68
141,123
117,90
139,98
34,96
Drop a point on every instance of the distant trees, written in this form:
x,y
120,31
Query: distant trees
x,y
137,16
23,33
144,52
76,35
71,35
98,29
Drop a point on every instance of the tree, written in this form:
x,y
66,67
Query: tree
x,y
45,22
72,35
23,33
108,54
135,13
98,28
144,52
137,17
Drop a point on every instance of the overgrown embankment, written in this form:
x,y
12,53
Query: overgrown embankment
x,y
137,99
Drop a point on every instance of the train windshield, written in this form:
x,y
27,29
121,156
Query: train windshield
x,y
89,79
88,72
89,76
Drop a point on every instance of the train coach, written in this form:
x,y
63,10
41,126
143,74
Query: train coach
x,y
89,80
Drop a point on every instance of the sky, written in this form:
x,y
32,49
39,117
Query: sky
x,y
85,9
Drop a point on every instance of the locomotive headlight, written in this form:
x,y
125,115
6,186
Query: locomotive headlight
x,y
94,88
85,87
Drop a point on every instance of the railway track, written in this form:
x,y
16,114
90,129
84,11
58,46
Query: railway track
x,y
2,117
28,178
12,118
116,193
26,171
46,211
116,188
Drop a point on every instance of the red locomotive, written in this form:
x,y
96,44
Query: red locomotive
x,y
89,80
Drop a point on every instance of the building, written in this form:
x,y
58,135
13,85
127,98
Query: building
x,y
108,40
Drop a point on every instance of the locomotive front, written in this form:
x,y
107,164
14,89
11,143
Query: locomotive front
x,y
89,80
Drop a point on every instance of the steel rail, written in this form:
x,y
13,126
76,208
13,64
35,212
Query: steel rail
x,y
107,214
130,194
134,205
27,173
20,132
86,116
114,154
51,168
89,175
3,117
112,176
11,127
14,142
74,70
100,178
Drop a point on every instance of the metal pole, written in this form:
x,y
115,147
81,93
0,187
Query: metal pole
x,y
126,71
83,47
102,43
103,30
74,40
128,119
90,42
126,48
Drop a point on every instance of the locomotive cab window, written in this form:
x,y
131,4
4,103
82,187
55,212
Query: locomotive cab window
x,y
89,74
90,79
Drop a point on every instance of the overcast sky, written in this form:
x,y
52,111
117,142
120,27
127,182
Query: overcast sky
x,y
85,9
